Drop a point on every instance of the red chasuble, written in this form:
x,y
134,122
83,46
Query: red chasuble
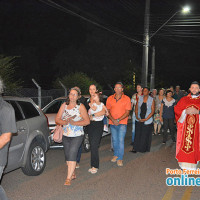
x,y
188,129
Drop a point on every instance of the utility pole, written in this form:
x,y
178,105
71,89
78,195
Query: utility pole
x,y
152,82
145,44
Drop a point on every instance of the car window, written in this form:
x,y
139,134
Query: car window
x,y
18,114
54,107
28,109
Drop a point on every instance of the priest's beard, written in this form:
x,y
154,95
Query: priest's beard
x,y
197,94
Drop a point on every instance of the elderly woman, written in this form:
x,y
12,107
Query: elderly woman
x,y
144,111
157,123
73,116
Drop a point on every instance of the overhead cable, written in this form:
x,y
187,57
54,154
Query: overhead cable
x,y
57,6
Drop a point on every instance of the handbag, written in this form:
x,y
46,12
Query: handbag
x,y
58,133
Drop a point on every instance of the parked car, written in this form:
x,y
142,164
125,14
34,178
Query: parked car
x,y
51,109
29,145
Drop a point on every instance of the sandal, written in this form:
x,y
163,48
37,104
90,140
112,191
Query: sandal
x,y
73,176
93,170
67,182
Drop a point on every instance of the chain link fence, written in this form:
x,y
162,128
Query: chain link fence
x,y
46,95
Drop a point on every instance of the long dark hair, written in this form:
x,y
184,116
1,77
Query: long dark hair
x,y
79,96
95,86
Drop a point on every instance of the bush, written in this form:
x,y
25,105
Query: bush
x,y
77,79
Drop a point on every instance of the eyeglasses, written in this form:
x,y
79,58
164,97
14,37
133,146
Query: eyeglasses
x,y
75,95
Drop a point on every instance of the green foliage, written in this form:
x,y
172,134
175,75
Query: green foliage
x,y
7,73
77,79
129,90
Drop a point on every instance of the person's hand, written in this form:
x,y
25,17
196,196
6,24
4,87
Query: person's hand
x,y
161,119
142,120
66,122
115,122
192,111
137,118
90,116
71,121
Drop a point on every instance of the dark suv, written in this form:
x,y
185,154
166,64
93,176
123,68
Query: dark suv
x,y
29,145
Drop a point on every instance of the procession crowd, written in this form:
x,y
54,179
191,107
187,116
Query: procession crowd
x,y
152,113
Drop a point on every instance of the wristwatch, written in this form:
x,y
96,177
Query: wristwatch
x,y
118,120
93,115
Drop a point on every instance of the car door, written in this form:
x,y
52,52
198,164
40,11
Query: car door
x,y
51,112
18,140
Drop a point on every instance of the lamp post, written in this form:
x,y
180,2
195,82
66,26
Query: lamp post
x,y
145,45
184,10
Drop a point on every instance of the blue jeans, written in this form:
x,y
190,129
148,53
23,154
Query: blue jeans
x,y
79,154
118,135
133,127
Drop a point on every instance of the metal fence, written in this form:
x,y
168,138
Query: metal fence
x,y
46,95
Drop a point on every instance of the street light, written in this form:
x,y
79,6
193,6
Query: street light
x,y
184,10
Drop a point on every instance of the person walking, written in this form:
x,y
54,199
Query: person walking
x,y
95,129
134,100
154,94
119,107
73,116
167,115
178,94
144,111
84,102
187,113
157,123
7,127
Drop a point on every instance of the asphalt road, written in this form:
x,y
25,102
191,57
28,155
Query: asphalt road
x,y
141,178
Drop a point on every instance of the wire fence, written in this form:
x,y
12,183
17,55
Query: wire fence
x,y
46,95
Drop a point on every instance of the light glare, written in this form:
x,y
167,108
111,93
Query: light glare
x,y
186,9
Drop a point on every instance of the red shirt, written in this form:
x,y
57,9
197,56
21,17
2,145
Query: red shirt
x,y
118,107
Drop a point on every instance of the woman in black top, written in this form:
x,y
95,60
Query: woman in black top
x,y
167,115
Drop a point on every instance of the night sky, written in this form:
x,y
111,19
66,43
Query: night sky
x,y
51,42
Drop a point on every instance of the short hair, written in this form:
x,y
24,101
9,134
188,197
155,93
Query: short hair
x,y
76,87
120,83
146,88
2,87
178,86
79,95
99,94
168,91
195,82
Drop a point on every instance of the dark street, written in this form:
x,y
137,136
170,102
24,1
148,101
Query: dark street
x,y
142,177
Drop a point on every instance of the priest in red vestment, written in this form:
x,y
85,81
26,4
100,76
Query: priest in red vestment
x,y
187,113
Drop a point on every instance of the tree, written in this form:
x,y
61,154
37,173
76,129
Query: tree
x,y
7,72
103,56
77,79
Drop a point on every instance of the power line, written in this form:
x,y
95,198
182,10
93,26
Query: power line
x,y
57,6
